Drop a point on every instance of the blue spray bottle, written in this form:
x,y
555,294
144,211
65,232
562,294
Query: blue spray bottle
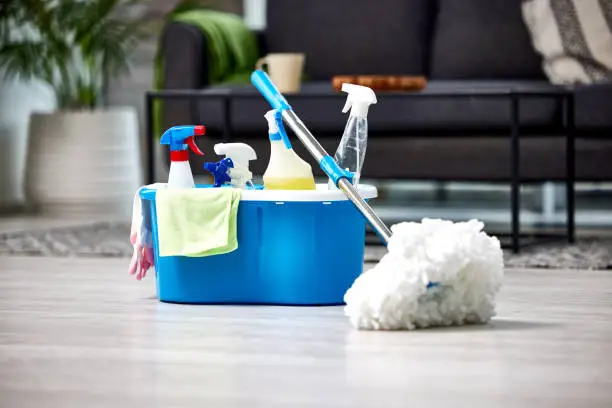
x,y
180,138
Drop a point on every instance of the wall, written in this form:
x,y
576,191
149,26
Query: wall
x,y
255,14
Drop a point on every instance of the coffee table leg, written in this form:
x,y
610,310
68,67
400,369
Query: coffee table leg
x,y
515,159
150,172
570,167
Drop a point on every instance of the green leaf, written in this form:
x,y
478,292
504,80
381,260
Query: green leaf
x,y
74,45
22,59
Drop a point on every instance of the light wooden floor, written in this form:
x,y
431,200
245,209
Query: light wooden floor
x,y
82,333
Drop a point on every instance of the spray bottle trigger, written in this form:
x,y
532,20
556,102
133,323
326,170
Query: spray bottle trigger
x,y
191,143
348,104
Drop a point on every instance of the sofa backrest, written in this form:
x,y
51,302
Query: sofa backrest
x,y
442,39
352,37
482,39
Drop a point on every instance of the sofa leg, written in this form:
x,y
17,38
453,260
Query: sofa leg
x,y
549,202
383,190
515,160
441,192
570,168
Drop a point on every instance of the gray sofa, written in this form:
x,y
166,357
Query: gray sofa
x,y
456,44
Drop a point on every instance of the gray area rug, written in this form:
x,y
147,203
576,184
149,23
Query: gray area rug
x,y
112,240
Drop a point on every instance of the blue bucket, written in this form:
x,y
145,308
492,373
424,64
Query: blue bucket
x,y
294,248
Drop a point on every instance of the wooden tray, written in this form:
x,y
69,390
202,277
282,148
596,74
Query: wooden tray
x,y
382,82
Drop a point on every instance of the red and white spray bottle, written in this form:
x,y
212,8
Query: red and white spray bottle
x,y
180,138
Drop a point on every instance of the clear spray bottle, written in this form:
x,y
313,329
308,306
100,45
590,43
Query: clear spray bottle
x,y
351,151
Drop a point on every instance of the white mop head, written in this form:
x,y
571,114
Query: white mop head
x,y
466,263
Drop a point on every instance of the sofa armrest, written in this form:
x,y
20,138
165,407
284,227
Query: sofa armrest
x,y
185,57
183,65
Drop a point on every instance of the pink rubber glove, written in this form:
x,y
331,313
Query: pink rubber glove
x,y
135,255
147,261
142,258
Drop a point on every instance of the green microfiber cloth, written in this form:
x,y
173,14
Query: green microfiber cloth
x,y
197,222
232,51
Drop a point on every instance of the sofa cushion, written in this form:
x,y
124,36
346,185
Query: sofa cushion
x,y
593,107
352,36
393,114
483,39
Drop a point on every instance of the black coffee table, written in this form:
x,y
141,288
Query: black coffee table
x,y
514,96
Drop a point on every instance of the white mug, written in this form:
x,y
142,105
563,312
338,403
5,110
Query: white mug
x,y
285,70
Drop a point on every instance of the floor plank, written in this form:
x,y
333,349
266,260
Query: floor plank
x,y
81,332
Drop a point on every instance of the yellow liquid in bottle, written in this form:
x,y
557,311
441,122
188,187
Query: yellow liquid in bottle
x,y
303,183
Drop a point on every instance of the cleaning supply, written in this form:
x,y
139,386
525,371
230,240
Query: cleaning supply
x,y
240,154
220,171
296,247
453,270
466,264
141,235
352,148
341,178
197,222
286,170
180,138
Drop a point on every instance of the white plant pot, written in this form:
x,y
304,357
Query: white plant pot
x,y
84,161
18,99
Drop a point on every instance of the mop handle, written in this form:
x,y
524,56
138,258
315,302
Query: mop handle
x,y
264,85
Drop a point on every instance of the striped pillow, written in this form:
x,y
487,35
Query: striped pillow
x,y
574,38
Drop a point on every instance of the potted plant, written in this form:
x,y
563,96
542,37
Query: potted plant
x,y
83,153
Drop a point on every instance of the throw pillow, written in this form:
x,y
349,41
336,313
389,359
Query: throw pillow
x,y
574,38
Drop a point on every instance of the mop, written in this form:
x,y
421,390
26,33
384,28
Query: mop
x,y
435,272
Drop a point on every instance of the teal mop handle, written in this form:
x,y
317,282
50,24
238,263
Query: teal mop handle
x,y
341,178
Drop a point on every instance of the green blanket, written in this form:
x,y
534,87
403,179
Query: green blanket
x,y
232,51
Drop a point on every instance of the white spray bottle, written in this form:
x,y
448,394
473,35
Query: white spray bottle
x,y
240,155
180,138
352,148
